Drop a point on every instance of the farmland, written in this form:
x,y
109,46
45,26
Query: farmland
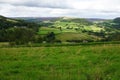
x,y
59,40
92,62
70,29
59,49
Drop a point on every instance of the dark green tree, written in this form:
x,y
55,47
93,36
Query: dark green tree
x,y
50,37
117,22
20,35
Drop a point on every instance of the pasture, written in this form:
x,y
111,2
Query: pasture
x,y
93,62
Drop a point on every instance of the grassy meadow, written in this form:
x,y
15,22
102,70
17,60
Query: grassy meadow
x,y
93,62
68,34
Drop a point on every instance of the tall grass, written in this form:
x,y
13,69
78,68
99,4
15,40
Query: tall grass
x,y
95,62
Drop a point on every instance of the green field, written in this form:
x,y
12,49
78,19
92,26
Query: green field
x,y
69,34
75,36
93,62
68,25
45,30
56,30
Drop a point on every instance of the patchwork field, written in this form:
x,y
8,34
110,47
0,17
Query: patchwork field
x,y
68,34
93,62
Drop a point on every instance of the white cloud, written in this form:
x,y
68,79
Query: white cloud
x,y
72,8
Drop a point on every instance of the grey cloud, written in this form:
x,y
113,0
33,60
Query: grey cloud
x,y
58,8
110,11
40,3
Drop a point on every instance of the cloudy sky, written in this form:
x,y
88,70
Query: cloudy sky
x,y
60,8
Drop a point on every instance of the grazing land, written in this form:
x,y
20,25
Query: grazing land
x,y
59,49
84,62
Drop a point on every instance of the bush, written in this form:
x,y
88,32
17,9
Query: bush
x,y
58,41
75,41
38,39
50,37
12,43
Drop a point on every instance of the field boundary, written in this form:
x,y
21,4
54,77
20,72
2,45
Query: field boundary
x,y
59,44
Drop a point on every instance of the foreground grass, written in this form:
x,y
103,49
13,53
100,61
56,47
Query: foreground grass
x,y
97,62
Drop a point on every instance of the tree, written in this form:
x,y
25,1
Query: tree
x,y
50,37
3,37
114,37
117,22
20,35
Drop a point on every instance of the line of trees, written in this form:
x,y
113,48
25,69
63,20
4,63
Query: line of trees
x,y
22,35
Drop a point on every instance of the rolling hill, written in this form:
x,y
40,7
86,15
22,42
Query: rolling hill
x,y
6,23
68,28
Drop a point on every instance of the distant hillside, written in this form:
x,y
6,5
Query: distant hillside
x,y
6,23
67,29
72,29
39,19
17,31
96,19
